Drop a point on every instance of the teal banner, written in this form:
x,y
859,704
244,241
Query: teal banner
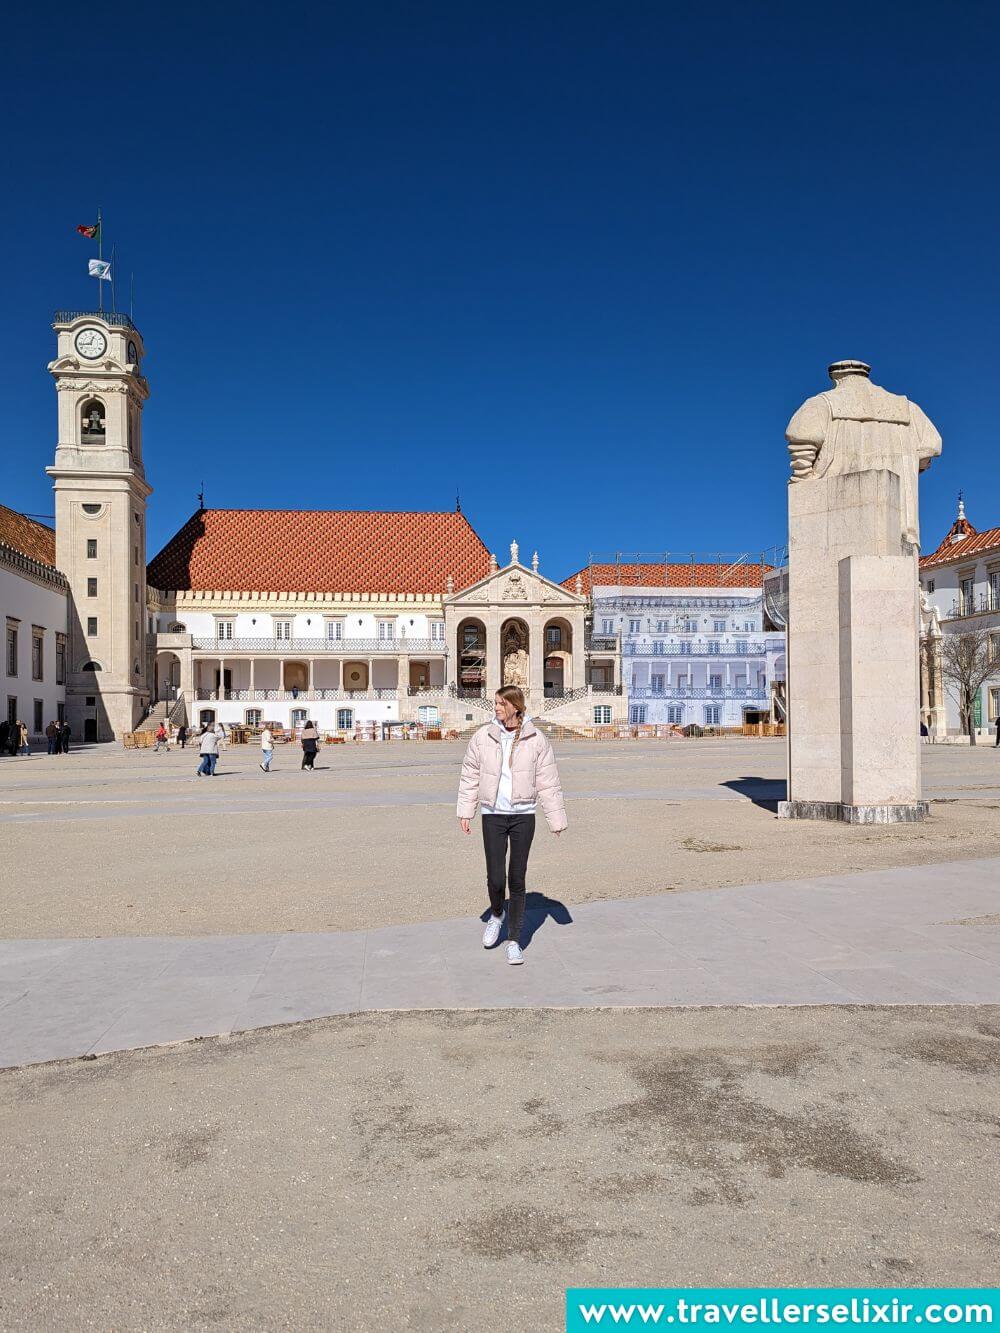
x,y
750,1307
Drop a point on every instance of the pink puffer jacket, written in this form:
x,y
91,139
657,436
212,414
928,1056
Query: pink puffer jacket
x,y
534,774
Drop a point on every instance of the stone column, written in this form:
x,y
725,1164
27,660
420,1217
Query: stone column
x,y
403,676
281,675
251,678
312,664
371,676
853,688
340,674
494,666
222,678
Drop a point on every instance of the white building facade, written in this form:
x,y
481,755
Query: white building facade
x,y
33,611
960,590
693,653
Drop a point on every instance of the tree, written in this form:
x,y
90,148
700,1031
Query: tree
x,y
967,660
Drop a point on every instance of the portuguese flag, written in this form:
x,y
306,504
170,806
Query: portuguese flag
x,y
92,233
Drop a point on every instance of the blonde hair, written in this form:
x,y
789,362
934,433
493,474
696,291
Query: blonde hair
x,y
513,694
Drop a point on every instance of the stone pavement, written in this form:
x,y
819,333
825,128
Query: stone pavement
x,y
914,935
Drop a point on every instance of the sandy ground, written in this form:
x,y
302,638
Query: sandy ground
x,y
113,843
454,1171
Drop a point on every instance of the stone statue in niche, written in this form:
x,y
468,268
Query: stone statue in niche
x,y
858,427
515,656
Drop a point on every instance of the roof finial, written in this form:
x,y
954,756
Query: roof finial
x,y
493,563
450,585
201,497
458,503
534,563
961,504
579,584
513,554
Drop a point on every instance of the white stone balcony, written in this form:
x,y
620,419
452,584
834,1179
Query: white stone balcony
x,y
321,647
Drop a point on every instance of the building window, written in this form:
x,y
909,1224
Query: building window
x,y
637,715
995,589
60,660
659,647
135,555
685,647
252,717
607,627
930,585
91,509
37,654
175,627
967,595
656,684
345,719
334,631
11,708
91,624
713,647
428,715
602,715
437,631
741,645
223,631
715,682
11,650
91,548
691,626
386,631
39,725
719,626
674,714
91,587
553,636
661,627
713,715
91,666
283,630
60,712
994,703
634,626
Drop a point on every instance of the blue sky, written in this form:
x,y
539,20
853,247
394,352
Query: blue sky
x,y
578,261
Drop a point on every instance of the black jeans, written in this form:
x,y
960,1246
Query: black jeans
x,y
498,830
308,758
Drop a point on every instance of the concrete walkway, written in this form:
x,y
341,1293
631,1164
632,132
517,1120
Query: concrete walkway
x,y
916,935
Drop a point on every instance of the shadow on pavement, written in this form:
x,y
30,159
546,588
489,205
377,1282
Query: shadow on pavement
x,y
537,909
765,792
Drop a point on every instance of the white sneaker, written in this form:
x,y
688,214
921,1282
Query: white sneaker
x,y
492,932
514,954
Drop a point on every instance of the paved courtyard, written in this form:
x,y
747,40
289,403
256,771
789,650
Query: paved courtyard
x,y
742,1051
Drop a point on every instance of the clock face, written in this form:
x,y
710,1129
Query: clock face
x,y
91,343
133,355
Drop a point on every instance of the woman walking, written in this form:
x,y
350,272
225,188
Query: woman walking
x,y
509,768
22,738
266,748
310,744
209,747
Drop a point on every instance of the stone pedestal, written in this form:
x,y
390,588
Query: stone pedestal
x,y
853,675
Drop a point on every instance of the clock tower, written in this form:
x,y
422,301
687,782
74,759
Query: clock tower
x,y
100,498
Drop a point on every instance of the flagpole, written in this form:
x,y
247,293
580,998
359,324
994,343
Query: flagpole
x,y
114,304
100,280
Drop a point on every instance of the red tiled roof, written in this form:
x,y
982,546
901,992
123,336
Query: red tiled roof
x,y
947,554
303,550
32,539
669,576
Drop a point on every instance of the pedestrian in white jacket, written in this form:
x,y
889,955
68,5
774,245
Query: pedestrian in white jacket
x,y
266,749
509,770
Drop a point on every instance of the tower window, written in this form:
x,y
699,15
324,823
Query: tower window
x,y
91,624
91,587
91,548
92,422
91,666
91,509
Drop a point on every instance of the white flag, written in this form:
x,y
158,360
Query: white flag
x,y
99,268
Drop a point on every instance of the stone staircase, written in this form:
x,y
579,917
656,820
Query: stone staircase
x,y
164,709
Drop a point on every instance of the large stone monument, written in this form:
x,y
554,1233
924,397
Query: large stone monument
x,y
853,617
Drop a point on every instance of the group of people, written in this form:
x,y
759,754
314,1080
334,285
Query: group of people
x,y
14,738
